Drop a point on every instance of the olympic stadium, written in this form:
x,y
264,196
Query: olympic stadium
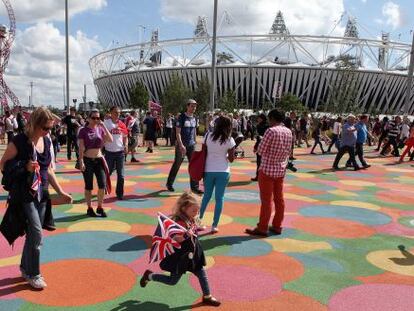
x,y
260,68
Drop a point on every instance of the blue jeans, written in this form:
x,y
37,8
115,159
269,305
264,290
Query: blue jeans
x,y
217,181
115,160
35,214
173,279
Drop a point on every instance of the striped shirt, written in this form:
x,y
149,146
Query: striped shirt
x,y
275,149
394,129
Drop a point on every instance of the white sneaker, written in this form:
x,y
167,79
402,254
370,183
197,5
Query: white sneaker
x,y
37,282
214,230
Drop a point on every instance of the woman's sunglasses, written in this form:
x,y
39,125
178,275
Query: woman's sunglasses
x,y
95,118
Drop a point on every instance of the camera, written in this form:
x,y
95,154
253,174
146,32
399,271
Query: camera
x,y
291,167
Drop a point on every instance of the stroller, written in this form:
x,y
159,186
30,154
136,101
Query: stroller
x,y
238,138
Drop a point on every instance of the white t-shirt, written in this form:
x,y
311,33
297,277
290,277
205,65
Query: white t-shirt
x,y
405,130
217,154
337,128
118,134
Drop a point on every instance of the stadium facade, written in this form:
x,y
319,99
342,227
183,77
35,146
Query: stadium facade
x,y
260,68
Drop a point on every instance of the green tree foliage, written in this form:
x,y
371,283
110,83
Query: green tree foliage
x,y
228,102
139,97
202,95
175,95
290,102
54,110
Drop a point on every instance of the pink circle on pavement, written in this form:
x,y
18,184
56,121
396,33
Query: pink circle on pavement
x,y
373,297
229,283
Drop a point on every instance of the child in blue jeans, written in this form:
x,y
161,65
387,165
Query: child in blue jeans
x,y
190,257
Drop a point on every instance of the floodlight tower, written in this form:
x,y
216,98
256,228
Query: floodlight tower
x,y
383,51
6,41
201,28
279,26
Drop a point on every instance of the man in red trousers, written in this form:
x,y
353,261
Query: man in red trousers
x,y
275,149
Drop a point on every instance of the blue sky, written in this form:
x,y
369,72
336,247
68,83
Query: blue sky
x,y
38,53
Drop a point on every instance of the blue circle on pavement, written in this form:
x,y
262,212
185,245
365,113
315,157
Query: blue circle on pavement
x,y
361,215
113,246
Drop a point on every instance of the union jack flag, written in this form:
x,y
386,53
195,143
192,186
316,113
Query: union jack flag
x,y
163,243
36,188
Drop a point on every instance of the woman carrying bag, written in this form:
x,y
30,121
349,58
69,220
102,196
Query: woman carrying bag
x,y
220,151
30,154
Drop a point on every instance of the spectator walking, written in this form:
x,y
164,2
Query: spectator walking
x,y
150,131
133,131
11,126
336,132
185,145
362,135
91,161
72,126
116,149
316,135
348,141
31,157
394,131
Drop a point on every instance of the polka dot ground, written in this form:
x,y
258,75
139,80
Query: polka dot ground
x,y
347,243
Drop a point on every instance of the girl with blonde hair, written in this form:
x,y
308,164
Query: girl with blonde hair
x,y
190,257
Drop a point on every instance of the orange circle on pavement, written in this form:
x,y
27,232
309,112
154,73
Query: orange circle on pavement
x,y
335,228
286,300
80,282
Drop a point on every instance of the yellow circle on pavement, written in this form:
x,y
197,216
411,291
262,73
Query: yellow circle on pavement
x,y
101,225
393,261
357,204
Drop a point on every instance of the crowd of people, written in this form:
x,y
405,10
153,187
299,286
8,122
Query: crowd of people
x,y
101,144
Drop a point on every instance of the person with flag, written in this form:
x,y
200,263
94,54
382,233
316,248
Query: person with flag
x,y
31,154
175,243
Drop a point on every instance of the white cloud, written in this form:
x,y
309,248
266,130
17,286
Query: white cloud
x,y
30,11
301,17
39,56
392,12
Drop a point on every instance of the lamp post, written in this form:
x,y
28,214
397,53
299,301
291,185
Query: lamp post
x,y
67,54
213,58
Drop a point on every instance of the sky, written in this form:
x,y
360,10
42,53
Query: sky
x,y
38,53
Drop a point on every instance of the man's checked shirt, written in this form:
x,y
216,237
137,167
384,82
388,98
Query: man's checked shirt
x,y
275,149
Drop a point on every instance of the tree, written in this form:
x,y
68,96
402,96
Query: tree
x,y
202,95
139,97
175,95
228,102
224,58
290,102
54,110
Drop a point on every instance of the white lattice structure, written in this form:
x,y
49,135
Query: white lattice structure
x,y
300,64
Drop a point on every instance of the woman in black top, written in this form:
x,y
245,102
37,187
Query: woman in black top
x,y
261,128
34,148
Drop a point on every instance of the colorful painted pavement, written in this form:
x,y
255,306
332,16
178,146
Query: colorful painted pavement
x,y
347,244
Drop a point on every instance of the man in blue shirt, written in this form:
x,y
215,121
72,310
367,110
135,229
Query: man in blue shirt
x,y
186,126
348,141
362,135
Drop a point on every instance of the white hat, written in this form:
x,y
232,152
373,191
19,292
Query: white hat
x,y
351,116
191,101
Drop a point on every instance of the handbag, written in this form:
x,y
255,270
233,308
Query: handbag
x,y
198,162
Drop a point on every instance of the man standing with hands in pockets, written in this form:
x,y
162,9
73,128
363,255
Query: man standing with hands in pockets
x,y
115,151
186,140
